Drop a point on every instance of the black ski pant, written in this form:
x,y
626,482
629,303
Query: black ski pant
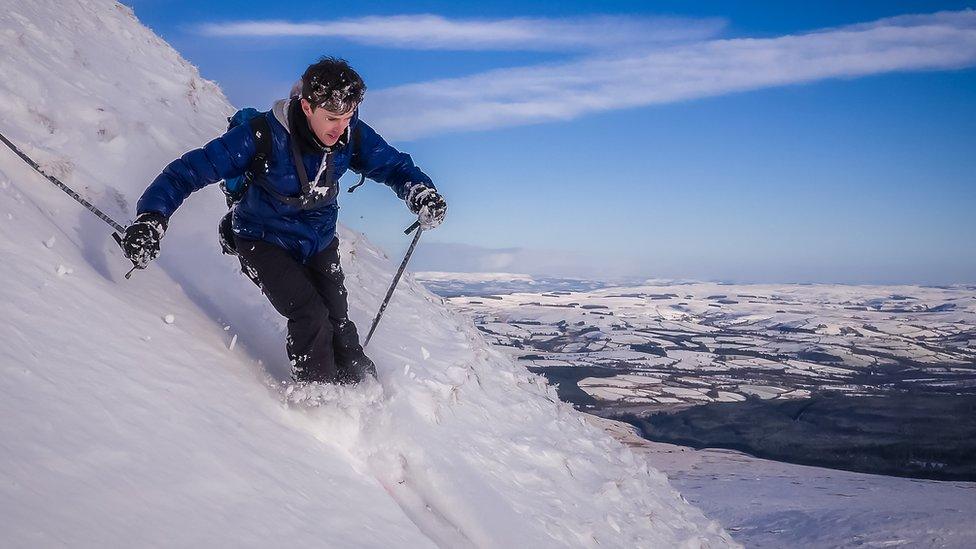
x,y
321,339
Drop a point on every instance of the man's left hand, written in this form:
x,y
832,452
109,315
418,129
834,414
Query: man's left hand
x,y
428,204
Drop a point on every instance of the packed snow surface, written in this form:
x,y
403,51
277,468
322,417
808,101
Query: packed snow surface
x,y
133,416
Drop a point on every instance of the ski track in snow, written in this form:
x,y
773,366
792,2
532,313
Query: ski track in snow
x,y
348,418
121,429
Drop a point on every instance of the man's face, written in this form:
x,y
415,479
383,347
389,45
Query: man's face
x,y
328,126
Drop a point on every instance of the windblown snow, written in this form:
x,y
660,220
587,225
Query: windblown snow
x,y
153,411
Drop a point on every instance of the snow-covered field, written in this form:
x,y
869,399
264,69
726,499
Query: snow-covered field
x,y
152,412
667,346
703,342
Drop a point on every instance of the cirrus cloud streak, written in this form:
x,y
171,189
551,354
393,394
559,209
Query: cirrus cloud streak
x,y
434,32
527,95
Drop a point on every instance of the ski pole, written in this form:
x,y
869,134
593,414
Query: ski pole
x,y
119,229
389,293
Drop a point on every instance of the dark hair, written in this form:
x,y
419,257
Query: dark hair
x,y
332,84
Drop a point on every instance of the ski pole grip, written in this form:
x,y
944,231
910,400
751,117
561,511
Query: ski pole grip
x,y
412,228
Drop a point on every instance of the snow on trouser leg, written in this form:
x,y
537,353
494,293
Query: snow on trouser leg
x,y
351,361
288,286
310,349
328,278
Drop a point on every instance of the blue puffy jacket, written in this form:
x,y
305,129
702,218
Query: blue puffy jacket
x,y
260,216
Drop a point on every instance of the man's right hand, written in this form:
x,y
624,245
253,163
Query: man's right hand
x,y
141,240
428,204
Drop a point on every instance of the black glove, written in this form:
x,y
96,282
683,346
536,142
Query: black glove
x,y
141,240
428,204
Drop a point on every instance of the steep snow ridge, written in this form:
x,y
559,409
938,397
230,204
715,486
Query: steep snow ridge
x,y
122,429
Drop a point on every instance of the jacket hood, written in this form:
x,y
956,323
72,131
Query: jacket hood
x,y
280,111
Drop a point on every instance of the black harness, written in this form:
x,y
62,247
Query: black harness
x,y
310,196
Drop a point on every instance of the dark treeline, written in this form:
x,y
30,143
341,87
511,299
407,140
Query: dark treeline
x,y
929,436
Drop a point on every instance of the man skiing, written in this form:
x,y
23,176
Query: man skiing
x,y
284,224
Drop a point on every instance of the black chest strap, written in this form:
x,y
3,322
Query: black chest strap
x,y
355,151
261,132
296,156
259,167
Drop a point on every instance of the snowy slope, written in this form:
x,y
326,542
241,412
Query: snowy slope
x,y
120,429
774,504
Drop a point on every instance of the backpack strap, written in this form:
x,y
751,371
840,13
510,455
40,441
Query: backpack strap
x,y
296,156
261,132
235,187
355,150
296,201
259,166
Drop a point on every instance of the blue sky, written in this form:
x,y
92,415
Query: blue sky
x,y
745,141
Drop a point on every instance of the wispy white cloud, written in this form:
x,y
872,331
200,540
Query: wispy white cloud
x,y
434,32
455,257
526,95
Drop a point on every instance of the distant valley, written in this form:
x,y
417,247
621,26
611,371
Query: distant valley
x,y
707,365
